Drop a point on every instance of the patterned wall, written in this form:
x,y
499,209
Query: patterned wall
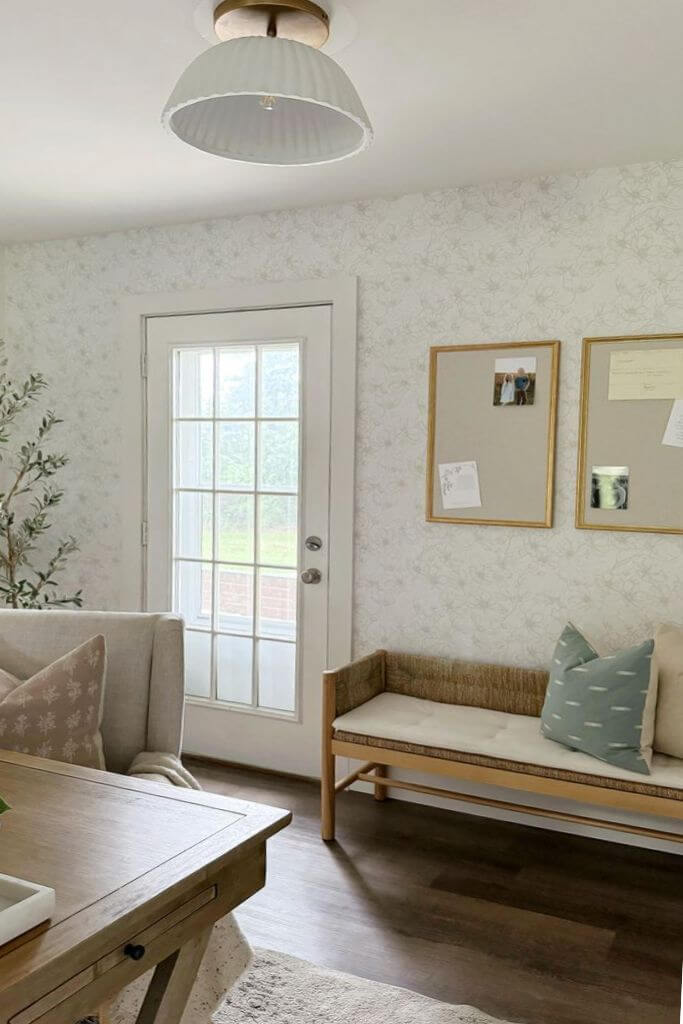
x,y
562,257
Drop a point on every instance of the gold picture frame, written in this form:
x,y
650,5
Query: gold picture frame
x,y
465,423
628,433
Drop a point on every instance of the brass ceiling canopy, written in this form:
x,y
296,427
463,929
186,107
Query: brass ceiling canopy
x,y
300,20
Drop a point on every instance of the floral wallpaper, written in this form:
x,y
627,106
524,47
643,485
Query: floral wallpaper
x,y
562,257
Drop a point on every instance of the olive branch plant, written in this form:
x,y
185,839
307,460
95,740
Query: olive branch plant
x,y
28,501
26,504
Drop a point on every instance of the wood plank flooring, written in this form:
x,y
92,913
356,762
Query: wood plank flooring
x,y
527,925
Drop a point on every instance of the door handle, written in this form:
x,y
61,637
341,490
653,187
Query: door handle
x,y
311,576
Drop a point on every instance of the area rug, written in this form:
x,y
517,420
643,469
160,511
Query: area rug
x,y
279,989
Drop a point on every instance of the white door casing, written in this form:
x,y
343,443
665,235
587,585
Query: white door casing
x,y
286,745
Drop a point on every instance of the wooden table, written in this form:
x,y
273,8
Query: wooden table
x,y
141,875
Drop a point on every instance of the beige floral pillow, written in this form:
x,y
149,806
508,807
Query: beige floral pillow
x,y
57,713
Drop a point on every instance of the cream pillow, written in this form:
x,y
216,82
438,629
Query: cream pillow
x,y
57,713
669,661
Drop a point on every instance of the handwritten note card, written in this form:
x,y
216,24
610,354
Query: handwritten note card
x,y
673,435
459,485
646,373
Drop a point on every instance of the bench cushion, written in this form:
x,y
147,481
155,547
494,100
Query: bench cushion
x,y
495,738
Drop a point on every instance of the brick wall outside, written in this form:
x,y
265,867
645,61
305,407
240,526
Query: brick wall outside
x,y
277,594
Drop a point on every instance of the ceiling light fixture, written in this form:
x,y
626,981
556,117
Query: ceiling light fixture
x,y
266,94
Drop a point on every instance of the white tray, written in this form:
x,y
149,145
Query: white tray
x,y
23,905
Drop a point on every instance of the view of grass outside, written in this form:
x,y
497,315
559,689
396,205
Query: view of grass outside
x,y
235,540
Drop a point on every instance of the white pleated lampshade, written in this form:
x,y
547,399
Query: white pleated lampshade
x,y
268,101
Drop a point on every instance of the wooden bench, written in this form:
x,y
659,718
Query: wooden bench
x,y
476,723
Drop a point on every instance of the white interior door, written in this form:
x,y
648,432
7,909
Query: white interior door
x,y
238,483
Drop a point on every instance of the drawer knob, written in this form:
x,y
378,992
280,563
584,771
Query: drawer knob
x,y
134,951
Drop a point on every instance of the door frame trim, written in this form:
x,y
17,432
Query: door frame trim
x,y
341,293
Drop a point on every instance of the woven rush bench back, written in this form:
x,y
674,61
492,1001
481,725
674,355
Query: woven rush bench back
x,y
518,691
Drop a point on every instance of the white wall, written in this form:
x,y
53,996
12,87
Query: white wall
x,y
590,254
3,297
597,253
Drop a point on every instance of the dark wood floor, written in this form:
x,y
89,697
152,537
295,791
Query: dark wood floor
x,y
527,925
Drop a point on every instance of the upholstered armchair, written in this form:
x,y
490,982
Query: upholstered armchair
x,y
142,729
143,704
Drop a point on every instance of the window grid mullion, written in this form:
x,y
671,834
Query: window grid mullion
x,y
236,419
214,575
174,498
241,565
228,490
243,636
255,581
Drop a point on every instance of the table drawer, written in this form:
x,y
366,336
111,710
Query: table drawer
x,y
140,941
54,998
126,952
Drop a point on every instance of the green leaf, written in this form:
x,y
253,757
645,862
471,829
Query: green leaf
x,y
23,513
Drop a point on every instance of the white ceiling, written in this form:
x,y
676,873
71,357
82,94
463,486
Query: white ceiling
x,y
459,91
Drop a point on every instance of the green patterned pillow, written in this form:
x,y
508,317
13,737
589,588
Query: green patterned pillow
x,y
602,706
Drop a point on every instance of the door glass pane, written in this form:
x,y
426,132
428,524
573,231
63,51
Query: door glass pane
x,y
276,675
235,598
234,667
236,527
277,540
193,455
192,598
236,519
278,456
235,456
194,383
197,664
194,524
236,382
277,603
279,381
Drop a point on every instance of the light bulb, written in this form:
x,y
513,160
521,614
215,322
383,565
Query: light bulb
x,y
267,102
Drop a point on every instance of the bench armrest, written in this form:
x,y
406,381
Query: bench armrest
x,y
354,684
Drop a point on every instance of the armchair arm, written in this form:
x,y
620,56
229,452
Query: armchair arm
x,y
167,686
354,684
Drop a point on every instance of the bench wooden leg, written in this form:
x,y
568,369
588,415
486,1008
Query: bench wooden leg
x,y
327,768
381,791
327,794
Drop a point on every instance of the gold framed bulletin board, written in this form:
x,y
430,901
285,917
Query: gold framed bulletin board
x,y
492,424
630,468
